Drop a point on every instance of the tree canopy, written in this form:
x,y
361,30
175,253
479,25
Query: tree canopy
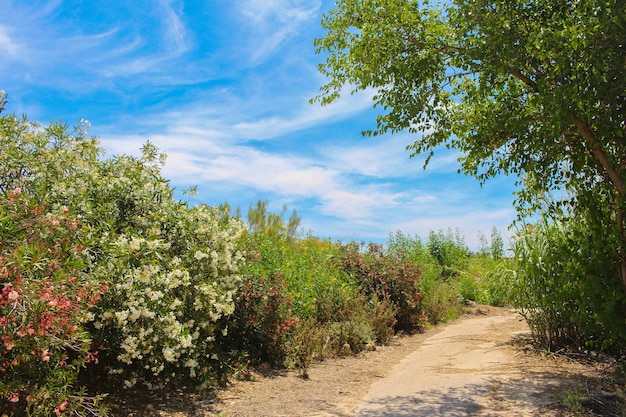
x,y
534,88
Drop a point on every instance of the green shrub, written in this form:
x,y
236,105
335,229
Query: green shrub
x,y
382,320
309,342
353,333
566,288
449,252
442,298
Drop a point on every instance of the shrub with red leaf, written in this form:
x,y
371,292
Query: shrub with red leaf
x,y
386,277
262,319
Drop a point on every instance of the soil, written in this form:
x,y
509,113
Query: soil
x,y
482,364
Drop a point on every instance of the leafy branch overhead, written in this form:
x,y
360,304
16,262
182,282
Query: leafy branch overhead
x,y
530,88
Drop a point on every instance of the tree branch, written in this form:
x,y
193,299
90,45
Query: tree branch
x,y
585,130
518,74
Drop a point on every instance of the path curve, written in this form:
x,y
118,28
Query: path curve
x,y
453,373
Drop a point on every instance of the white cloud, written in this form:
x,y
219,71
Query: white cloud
x,y
175,32
7,45
270,23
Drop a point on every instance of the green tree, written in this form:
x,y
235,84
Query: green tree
x,y
497,244
260,220
530,88
3,100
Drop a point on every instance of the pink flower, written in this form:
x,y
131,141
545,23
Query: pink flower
x,y
16,191
15,397
45,355
13,295
62,407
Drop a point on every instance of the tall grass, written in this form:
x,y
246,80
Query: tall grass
x,y
563,282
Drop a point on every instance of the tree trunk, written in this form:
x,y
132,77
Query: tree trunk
x,y
621,251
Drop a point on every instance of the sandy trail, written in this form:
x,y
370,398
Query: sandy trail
x,y
461,371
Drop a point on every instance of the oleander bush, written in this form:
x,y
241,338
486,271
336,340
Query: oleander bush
x,y
260,326
44,304
170,269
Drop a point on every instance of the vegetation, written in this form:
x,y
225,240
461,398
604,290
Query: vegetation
x,y
562,280
533,89
105,276
102,272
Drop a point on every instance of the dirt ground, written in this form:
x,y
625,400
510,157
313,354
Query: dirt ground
x,y
510,378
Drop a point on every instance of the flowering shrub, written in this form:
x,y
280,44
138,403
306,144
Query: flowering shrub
x,y
159,320
171,268
386,277
44,301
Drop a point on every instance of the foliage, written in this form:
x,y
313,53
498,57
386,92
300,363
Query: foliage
x,y
171,269
260,220
531,89
104,276
385,277
468,277
309,267
44,302
383,320
494,248
262,318
168,292
449,251
565,287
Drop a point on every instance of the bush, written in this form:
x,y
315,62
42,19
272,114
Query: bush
x,y
44,301
566,288
385,277
172,272
449,252
171,269
259,327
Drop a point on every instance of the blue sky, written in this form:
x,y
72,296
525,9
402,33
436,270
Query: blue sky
x,y
223,88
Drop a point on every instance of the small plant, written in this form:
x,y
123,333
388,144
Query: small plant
x,y
308,342
383,320
572,399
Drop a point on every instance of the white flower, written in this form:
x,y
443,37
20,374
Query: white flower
x,y
185,341
135,244
191,363
134,315
169,354
121,317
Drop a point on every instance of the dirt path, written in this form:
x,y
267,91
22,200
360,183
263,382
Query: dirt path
x,y
453,373
478,365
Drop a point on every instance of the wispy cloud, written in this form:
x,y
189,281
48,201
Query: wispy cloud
x,y
223,89
271,22
175,32
7,46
